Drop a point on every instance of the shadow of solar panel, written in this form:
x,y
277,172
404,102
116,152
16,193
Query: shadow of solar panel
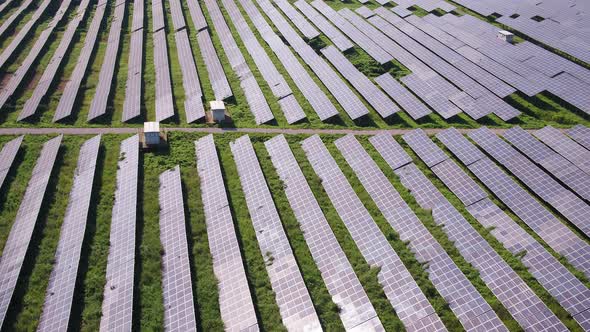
x,y
494,271
21,232
7,156
62,281
295,305
580,134
235,301
357,312
467,304
548,189
117,305
565,146
410,304
179,310
98,107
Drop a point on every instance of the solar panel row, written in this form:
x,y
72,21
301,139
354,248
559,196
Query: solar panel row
x,y
7,157
98,107
410,304
292,297
237,309
414,107
179,310
469,306
297,19
7,90
565,146
382,104
8,22
193,104
68,97
164,96
540,220
357,312
217,77
516,296
117,305
314,95
132,103
581,135
17,244
337,37
62,280
48,76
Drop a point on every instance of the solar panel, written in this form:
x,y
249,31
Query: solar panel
x,y
193,104
429,152
292,297
460,146
312,92
179,310
237,309
8,22
541,221
581,135
98,107
68,97
410,304
357,312
7,156
391,151
158,20
507,286
132,103
566,147
382,104
297,19
549,190
434,99
414,107
17,244
554,163
217,76
337,37
365,12
177,15
138,15
197,16
164,96
551,274
62,281
117,305
467,304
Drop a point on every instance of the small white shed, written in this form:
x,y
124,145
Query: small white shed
x,y
151,131
506,36
217,110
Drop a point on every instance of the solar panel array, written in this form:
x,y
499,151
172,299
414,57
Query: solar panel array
x,y
516,296
8,89
164,96
312,92
7,156
132,103
179,310
379,100
414,107
550,160
17,244
356,312
292,297
581,135
565,146
469,306
337,37
403,293
117,305
62,281
564,201
68,98
540,220
98,107
235,301
48,76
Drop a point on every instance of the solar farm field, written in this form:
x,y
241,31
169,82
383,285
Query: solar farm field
x,y
294,165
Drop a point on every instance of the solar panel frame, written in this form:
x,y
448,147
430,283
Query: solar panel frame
x,y
62,280
468,305
17,244
236,306
117,304
411,306
179,310
292,297
7,157
337,273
